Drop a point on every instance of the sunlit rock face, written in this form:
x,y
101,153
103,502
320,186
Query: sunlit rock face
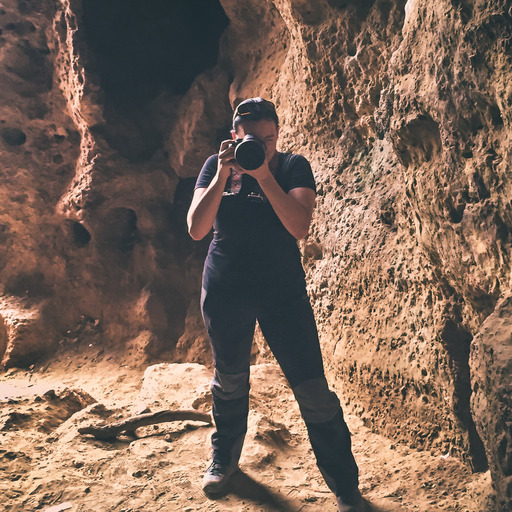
x,y
92,211
404,110
40,145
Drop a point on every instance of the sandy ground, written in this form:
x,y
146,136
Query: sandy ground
x,y
47,465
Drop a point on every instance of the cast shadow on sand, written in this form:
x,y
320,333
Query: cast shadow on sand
x,y
245,487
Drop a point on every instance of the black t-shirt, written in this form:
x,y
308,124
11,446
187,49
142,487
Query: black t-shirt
x,y
250,245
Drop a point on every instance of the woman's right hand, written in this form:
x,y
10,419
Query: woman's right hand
x,y
206,201
226,158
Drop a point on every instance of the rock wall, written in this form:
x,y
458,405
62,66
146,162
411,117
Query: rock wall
x,y
40,146
491,401
91,209
404,110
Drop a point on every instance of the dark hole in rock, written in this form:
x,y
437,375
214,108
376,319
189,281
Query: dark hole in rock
x,y
464,8
120,229
21,28
418,140
457,213
457,341
481,187
13,136
19,198
141,47
4,232
495,114
502,230
79,233
387,214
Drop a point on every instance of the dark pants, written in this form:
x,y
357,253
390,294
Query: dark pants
x,y
289,327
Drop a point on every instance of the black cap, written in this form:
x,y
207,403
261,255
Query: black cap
x,y
254,109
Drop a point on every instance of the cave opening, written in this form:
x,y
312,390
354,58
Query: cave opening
x,y
145,55
139,48
79,234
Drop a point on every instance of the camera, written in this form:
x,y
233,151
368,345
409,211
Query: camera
x,y
249,152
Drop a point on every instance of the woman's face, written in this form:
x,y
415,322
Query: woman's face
x,y
265,130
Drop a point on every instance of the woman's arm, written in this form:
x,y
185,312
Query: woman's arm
x,y
206,201
294,209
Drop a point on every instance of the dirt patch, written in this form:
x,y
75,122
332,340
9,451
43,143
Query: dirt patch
x,y
56,468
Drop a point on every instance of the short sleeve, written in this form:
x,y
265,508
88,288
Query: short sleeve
x,y
207,172
296,172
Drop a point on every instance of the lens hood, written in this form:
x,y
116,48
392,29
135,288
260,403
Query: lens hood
x,y
249,152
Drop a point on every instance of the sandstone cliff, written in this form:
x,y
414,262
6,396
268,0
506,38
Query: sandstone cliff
x,y
404,110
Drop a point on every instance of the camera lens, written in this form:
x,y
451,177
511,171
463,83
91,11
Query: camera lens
x,y
250,153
